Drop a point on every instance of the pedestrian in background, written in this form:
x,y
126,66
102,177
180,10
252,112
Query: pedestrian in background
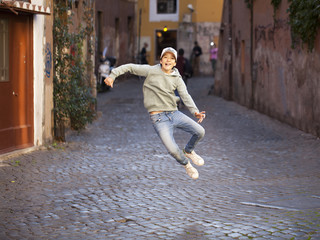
x,y
143,54
161,102
185,70
183,65
196,53
213,56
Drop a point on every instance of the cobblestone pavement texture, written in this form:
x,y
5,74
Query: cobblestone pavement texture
x,y
115,180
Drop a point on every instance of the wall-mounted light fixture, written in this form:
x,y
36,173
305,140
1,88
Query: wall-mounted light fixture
x,y
190,7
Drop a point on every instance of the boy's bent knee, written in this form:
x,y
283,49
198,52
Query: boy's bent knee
x,y
201,132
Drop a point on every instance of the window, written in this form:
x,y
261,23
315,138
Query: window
x,y
164,10
166,6
4,49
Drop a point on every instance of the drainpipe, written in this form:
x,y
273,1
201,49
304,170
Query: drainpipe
x,y
230,94
139,37
252,67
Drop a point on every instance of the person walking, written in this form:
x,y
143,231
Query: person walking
x,y
185,71
159,87
183,65
213,57
196,53
143,54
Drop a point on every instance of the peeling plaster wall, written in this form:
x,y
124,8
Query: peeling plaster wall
x,y
241,42
117,35
48,77
288,82
206,32
222,86
275,79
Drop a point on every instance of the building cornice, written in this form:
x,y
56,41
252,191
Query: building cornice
x,y
21,6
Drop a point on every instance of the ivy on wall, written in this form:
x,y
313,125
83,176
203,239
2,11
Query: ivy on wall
x,y
304,19
71,89
249,3
276,4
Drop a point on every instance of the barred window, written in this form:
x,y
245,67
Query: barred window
x,y
166,6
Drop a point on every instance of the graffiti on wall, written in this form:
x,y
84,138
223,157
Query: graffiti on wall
x,y
266,33
48,63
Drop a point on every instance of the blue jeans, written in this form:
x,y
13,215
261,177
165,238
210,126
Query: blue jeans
x,y
164,124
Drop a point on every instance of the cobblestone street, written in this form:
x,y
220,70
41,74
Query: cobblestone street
x,y
115,180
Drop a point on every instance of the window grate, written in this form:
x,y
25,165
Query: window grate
x,y
166,6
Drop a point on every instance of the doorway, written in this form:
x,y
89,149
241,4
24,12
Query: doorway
x,y
16,82
165,39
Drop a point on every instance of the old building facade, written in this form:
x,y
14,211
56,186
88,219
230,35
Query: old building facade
x,y
115,30
27,69
178,23
26,101
258,68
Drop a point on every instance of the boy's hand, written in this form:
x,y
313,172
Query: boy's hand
x,y
109,82
201,116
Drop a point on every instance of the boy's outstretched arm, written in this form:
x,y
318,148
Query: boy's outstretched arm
x,y
201,116
109,82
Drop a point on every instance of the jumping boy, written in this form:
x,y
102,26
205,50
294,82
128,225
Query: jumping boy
x,y
161,102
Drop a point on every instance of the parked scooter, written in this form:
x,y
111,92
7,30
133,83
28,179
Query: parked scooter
x,y
104,71
105,68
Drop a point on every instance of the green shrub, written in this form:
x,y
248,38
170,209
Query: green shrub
x,y
73,101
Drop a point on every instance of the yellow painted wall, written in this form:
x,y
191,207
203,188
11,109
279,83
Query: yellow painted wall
x,y
208,11
184,7
205,11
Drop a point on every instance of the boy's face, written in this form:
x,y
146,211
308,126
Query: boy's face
x,y
167,62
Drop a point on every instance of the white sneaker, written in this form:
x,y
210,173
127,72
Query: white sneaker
x,y
196,159
191,171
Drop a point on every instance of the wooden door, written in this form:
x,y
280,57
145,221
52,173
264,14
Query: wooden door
x,y
16,82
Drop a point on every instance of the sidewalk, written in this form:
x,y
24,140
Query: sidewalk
x,y
115,180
